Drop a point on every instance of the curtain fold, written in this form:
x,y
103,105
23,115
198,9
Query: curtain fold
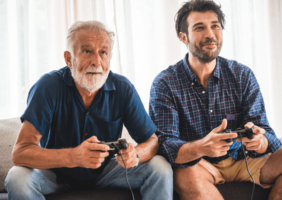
x,y
33,40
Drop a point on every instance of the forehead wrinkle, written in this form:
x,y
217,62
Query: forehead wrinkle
x,y
93,38
86,38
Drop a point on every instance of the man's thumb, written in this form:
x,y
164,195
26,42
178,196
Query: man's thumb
x,y
221,127
93,139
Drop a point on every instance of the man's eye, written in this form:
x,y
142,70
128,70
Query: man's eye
x,y
199,28
104,52
87,51
215,26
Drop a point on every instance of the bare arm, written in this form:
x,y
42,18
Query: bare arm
x,y
145,151
27,153
212,145
148,149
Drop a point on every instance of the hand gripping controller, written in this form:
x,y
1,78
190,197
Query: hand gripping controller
x,y
116,146
246,132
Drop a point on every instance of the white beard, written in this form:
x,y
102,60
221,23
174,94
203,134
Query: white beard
x,y
89,82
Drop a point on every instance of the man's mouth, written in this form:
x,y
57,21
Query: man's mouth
x,y
210,44
93,73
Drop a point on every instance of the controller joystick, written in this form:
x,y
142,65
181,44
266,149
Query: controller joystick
x,y
115,146
246,132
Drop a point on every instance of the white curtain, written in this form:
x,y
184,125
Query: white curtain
x,y
33,38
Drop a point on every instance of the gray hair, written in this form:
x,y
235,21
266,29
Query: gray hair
x,y
86,25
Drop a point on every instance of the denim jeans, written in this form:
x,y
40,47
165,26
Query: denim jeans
x,y
154,178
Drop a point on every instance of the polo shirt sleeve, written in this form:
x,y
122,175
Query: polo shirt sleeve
x,y
163,112
40,104
136,119
254,111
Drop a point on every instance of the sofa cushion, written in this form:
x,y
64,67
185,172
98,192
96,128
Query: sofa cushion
x,y
113,194
9,129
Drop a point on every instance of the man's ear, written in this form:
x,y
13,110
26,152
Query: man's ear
x,y
183,38
67,56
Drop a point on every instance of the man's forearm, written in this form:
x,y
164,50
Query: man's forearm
x,y
148,149
188,152
39,158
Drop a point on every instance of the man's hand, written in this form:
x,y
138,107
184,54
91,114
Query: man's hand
x,y
129,156
259,143
214,144
89,154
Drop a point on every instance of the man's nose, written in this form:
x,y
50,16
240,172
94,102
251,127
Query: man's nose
x,y
96,60
209,33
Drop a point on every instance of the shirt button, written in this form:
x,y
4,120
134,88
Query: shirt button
x,y
85,134
192,83
211,111
87,113
203,92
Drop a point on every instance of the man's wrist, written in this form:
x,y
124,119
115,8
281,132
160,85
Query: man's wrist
x,y
137,157
264,146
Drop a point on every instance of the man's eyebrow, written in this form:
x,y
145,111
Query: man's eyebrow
x,y
85,45
201,23
105,47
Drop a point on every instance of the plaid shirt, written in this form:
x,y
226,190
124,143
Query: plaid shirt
x,y
184,110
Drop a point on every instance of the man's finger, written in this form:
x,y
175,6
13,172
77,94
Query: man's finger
x,y
224,143
221,127
99,154
93,139
257,130
224,136
97,147
129,149
249,125
244,140
125,156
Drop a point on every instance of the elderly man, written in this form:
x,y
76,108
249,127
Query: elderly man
x,y
69,111
190,101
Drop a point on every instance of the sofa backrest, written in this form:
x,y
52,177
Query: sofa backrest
x,y
9,130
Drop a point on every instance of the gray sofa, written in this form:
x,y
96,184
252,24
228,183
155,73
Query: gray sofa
x,y
9,129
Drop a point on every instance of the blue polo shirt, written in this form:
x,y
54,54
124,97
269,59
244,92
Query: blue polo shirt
x,y
56,110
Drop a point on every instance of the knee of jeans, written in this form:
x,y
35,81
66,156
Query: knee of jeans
x,y
17,178
160,167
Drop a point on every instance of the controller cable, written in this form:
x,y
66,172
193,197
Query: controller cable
x,y
125,172
243,149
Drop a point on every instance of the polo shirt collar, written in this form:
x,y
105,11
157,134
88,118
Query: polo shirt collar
x,y
68,79
109,84
216,72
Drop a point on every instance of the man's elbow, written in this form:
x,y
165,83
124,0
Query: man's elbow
x,y
17,156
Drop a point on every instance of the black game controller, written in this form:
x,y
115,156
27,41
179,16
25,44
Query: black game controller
x,y
116,146
246,132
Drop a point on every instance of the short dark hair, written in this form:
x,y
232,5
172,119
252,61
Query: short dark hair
x,y
181,24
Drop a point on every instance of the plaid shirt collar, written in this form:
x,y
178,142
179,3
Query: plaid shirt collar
x,y
192,76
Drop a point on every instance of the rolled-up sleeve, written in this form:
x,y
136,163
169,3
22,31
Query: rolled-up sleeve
x,y
254,111
163,112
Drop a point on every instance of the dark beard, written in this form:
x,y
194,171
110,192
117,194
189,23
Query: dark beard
x,y
204,57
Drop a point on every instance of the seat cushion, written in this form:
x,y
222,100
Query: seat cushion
x,y
242,191
97,194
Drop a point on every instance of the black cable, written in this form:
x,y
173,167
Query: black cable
x,y
125,172
254,184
